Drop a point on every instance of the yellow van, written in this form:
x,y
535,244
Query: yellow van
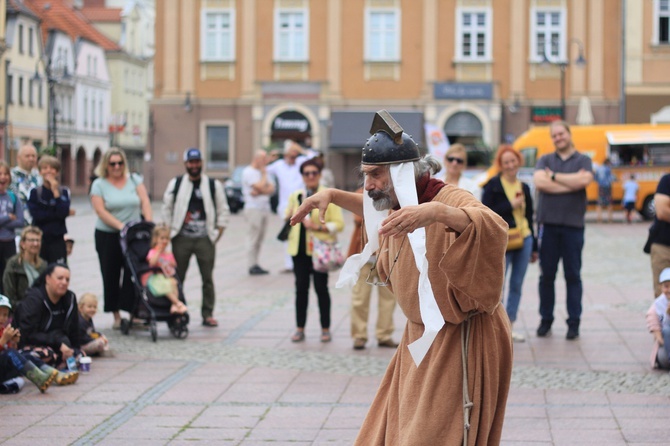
x,y
639,149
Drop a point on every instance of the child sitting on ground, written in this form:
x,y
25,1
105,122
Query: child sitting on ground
x,y
658,323
92,342
13,364
163,283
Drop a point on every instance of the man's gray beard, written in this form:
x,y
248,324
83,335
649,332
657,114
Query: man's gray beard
x,y
381,199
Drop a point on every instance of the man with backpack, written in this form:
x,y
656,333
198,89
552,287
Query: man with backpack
x,y
196,210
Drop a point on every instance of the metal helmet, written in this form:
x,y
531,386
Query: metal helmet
x,y
388,143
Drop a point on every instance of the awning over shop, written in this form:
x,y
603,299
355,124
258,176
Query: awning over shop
x,y
639,137
351,129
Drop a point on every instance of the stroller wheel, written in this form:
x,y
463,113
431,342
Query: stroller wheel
x,y
125,326
179,332
179,326
154,331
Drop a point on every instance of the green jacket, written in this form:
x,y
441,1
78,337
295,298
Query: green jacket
x,y
15,280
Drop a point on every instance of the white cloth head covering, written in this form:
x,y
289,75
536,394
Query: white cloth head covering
x,y
404,185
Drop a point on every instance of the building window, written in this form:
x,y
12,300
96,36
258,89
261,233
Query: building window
x,y
31,93
100,123
20,39
217,146
547,34
662,21
473,34
291,35
40,95
218,35
10,89
93,113
20,90
382,35
85,111
31,41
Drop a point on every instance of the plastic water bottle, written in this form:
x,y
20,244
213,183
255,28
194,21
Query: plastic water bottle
x,y
71,364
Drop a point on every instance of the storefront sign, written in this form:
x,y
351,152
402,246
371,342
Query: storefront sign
x,y
545,114
290,121
463,90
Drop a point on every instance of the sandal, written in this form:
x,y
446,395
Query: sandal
x,y
325,336
210,322
298,336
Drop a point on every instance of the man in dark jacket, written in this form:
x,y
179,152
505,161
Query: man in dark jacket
x,y
48,316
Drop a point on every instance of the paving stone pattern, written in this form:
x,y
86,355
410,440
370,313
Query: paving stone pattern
x,y
245,383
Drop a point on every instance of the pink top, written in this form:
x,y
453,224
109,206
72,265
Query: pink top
x,y
166,259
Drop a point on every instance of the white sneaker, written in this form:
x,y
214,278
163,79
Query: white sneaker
x,y
518,337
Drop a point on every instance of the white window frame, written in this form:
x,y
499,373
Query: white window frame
x,y
658,15
218,165
461,30
295,54
220,54
370,55
561,29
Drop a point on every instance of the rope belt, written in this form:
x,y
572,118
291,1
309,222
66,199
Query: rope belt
x,y
467,403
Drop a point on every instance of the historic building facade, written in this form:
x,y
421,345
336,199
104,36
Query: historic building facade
x,y
232,76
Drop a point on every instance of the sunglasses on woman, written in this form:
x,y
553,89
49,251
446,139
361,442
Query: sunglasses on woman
x,y
451,159
116,163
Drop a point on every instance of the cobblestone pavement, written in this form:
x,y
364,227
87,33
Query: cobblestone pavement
x,y
245,383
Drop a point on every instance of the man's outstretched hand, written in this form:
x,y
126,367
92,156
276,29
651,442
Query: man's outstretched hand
x,y
319,201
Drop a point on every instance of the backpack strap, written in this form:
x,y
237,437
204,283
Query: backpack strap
x,y
212,192
175,190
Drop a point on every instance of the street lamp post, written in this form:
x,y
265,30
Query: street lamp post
x,y
8,90
52,80
563,66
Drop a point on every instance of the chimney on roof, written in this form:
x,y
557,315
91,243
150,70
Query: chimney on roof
x,y
79,4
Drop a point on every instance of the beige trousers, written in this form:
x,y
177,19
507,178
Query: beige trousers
x,y
360,308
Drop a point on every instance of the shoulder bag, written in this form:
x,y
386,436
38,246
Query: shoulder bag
x,y
514,239
326,256
283,233
650,238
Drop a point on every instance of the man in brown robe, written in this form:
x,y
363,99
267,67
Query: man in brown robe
x,y
423,398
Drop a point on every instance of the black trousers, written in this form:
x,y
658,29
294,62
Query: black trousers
x,y
118,296
7,249
53,249
303,270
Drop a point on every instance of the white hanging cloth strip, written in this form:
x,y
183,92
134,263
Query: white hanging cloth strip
x,y
404,186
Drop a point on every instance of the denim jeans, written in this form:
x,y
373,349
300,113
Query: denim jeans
x,y
518,260
561,242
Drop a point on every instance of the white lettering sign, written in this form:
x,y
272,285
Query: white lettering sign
x,y
300,125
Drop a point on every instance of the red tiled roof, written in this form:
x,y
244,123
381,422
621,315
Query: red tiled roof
x,y
103,14
60,15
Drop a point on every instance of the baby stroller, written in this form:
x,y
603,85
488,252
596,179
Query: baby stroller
x,y
135,244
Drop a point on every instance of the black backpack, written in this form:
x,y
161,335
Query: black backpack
x,y
177,184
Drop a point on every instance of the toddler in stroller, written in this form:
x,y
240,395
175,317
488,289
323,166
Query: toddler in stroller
x,y
152,267
163,282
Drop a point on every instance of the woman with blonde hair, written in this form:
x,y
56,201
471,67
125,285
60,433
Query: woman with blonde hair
x,y
455,162
118,197
23,268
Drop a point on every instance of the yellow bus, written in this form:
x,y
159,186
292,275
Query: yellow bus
x,y
642,150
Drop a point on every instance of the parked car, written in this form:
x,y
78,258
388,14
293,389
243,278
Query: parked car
x,y
233,188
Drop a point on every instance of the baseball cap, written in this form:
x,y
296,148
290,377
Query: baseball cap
x,y
665,275
4,301
192,154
